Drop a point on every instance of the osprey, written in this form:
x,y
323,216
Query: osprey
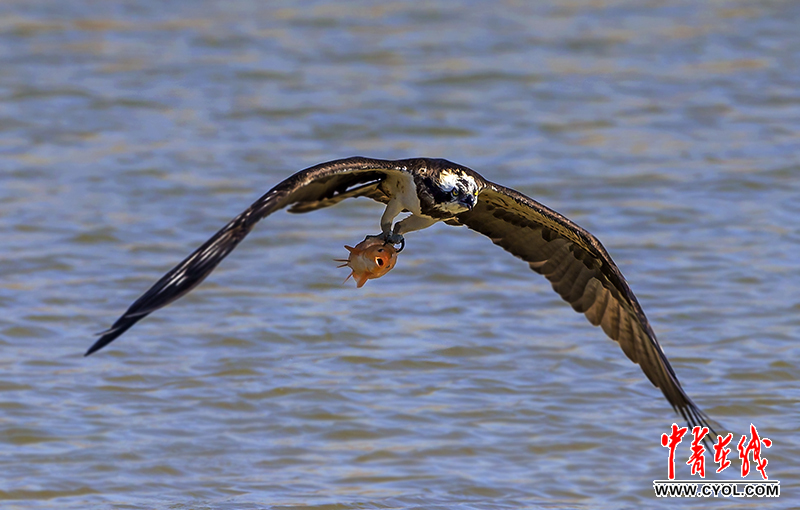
x,y
577,265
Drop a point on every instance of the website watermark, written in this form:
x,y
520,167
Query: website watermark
x,y
699,488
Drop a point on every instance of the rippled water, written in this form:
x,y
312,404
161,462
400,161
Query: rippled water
x,y
131,131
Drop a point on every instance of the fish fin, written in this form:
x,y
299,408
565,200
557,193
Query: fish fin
x,y
346,262
360,279
350,249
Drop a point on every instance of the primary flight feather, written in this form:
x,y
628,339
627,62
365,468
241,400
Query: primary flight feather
x,y
432,190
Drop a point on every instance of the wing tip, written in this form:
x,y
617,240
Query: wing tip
x,y
122,325
108,336
695,417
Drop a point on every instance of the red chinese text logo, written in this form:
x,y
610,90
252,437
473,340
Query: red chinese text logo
x,y
697,459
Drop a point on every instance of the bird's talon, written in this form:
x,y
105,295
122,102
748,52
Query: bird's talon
x,y
390,238
395,239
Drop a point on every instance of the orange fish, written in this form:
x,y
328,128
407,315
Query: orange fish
x,y
371,258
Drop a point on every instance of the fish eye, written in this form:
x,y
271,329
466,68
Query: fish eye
x,y
379,261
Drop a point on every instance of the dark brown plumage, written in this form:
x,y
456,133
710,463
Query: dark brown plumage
x,y
584,275
572,259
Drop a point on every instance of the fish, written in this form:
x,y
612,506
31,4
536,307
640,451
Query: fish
x,y
371,258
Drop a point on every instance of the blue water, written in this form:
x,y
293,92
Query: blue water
x,y
132,131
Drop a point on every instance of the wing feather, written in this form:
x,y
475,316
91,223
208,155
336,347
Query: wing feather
x,y
577,265
582,273
319,186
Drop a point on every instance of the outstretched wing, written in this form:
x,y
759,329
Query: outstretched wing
x,y
582,273
320,186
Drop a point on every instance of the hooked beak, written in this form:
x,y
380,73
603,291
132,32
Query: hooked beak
x,y
469,201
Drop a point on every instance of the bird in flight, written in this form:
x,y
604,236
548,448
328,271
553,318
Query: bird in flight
x,y
432,190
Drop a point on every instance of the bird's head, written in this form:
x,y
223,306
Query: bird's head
x,y
453,191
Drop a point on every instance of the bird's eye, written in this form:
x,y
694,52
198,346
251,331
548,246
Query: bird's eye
x,y
456,192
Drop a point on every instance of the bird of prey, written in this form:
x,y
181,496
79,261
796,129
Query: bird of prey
x,y
572,259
